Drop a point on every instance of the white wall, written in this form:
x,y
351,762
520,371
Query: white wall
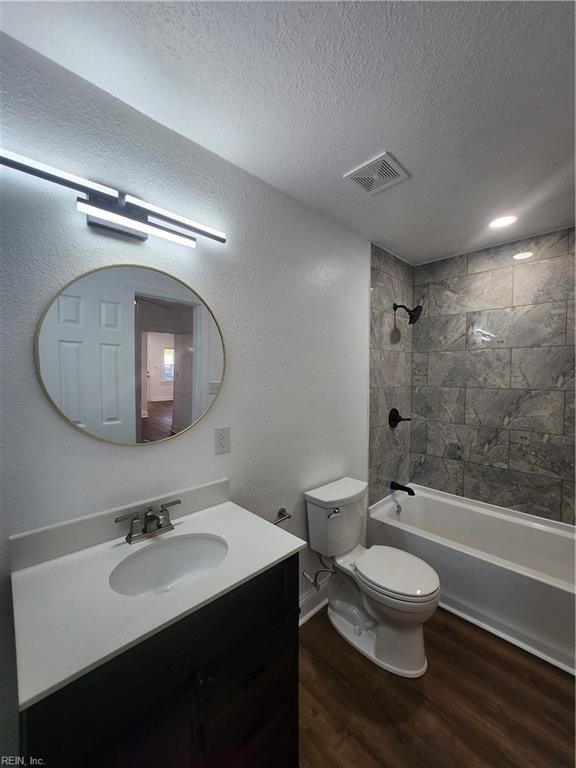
x,y
290,290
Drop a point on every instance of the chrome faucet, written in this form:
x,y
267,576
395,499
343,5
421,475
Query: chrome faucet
x,y
150,523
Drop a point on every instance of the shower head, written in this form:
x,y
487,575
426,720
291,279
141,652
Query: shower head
x,y
413,314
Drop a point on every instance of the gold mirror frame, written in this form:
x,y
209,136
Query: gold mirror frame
x,y
59,410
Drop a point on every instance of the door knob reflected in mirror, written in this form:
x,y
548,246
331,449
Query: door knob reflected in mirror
x,y
394,418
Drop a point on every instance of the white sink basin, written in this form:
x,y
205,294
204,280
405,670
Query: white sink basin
x,y
165,565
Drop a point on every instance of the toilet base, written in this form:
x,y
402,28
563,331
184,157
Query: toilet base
x,y
364,640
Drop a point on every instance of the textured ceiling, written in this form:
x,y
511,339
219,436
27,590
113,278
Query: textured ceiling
x,y
476,100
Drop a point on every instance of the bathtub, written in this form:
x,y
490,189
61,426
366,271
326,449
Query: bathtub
x,y
510,573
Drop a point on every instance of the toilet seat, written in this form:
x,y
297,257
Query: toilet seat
x,y
396,574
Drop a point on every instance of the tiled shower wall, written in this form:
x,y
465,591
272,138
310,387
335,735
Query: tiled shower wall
x,y
493,376
390,371
491,387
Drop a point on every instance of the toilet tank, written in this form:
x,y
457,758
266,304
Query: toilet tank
x,y
335,516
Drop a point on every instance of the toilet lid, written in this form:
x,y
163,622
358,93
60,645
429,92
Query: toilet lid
x,y
397,572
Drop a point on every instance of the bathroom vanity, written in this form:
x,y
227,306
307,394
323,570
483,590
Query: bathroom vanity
x,y
218,688
214,685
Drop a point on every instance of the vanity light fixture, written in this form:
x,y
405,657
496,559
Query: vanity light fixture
x,y
523,255
111,209
174,218
503,221
46,172
102,216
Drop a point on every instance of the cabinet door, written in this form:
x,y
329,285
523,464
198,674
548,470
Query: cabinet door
x,y
163,741
247,709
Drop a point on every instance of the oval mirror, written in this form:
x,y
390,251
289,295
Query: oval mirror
x,y
130,355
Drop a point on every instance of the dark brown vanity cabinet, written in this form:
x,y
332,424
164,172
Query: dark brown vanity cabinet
x,y
217,689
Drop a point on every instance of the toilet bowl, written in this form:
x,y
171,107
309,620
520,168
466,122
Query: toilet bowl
x,y
399,592
379,597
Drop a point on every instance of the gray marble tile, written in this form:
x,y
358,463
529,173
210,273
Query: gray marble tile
x,y
438,404
396,441
375,450
389,368
546,246
543,368
485,290
395,332
444,269
567,515
419,436
551,280
478,444
569,413
485,368
380,476
488,368
386,290
447,369
385,443
387,398
529,493
439,334
570,335
542,454
522,409
374,398
374,488
419,369
420,297
533,325
375,328
435,472
392,265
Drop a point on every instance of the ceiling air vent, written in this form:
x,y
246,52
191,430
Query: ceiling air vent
x,y
378,174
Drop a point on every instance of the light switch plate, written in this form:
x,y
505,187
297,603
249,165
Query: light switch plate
x,y
222,440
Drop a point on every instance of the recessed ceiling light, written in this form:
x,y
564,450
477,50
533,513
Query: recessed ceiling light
x,y
503,221
523,255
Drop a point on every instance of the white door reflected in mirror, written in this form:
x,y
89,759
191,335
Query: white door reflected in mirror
x,y
130,355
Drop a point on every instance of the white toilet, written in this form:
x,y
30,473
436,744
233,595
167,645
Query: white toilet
x,y
380,597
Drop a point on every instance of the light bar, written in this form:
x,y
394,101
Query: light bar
x,y
46,172
106,215
174,218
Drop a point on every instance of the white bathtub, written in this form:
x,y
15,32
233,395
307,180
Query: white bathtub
x,y
508,572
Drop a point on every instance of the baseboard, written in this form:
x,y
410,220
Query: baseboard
x,y
312,601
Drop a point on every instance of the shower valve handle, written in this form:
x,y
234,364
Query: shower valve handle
x,y
394,418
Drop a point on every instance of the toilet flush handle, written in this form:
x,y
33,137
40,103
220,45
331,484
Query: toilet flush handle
x,y
335,512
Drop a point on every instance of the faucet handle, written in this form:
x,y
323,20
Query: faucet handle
x,y
167,504
128,516
164,513
136,527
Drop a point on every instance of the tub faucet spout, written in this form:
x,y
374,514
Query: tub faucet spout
x,y
394,486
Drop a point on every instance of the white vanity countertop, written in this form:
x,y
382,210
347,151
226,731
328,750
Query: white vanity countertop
x,y
68,620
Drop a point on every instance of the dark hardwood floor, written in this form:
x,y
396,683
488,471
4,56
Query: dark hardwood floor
x,y
158,424
482,704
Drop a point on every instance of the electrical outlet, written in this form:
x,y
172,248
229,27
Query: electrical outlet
x,y
222,440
